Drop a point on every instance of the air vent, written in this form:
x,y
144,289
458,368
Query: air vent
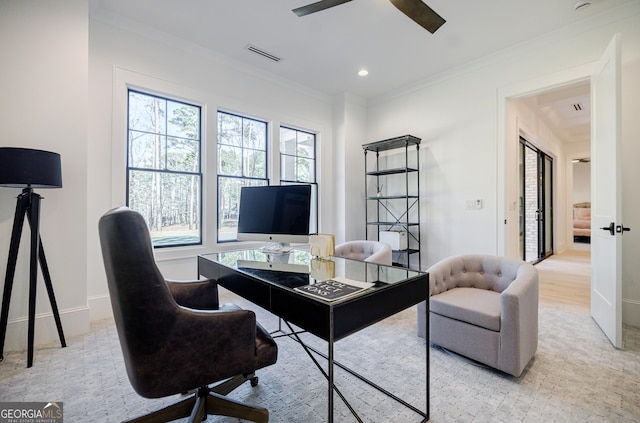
x,y
263,53
577,107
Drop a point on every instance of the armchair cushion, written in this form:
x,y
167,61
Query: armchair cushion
x,y
474,306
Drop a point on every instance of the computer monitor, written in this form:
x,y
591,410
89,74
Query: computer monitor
x,y
277,214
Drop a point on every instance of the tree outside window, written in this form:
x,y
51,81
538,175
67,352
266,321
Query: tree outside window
x,y
164,182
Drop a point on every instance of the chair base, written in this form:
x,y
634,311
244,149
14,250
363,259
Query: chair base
x,y
209,401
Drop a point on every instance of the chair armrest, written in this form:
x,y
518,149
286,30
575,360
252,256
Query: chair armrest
x,y
519,319
519,301
196,347
199,295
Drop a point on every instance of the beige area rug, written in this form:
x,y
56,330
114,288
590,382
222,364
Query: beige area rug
x,y
575,376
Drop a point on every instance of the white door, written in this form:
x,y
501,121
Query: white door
x,y
606,210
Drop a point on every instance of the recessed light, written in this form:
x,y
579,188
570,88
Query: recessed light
x,y
363,72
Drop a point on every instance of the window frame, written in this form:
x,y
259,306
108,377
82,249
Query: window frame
x,y
313,228
242,177
198,174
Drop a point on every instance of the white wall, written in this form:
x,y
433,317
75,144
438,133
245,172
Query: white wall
x,y
349,116
43,105
462,120
581,182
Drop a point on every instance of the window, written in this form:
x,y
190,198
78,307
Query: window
x,y
242,161
164,182
298,164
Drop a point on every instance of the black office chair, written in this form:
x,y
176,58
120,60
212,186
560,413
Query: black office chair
x,y
175,338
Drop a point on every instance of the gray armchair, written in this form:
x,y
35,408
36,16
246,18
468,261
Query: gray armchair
x,y
175,337
485,308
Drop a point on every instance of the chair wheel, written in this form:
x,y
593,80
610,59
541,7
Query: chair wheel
x,y
254,381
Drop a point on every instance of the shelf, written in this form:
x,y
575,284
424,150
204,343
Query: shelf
x,y
392,143
407,251
393,223
400,205
393,197
391,171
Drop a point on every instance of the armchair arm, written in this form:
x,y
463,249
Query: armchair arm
x,y
519,320
198,347
199,295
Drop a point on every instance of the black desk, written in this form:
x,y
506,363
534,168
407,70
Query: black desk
x,y
395,289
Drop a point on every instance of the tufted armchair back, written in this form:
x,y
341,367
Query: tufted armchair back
x,y
475,271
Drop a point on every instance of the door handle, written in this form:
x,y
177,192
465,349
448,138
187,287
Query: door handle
x,y
621,229
611,228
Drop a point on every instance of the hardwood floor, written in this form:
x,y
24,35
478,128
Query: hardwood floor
x,y
565,280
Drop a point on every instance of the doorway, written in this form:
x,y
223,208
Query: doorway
x,y
546,210
603,77
536,203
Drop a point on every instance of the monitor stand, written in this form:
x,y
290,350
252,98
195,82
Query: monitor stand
x,y
276,248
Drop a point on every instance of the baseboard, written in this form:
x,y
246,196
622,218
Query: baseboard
x,y
631,312
100,308
74,322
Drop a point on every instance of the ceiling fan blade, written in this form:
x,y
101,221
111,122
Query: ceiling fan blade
x,y
317,6
422,14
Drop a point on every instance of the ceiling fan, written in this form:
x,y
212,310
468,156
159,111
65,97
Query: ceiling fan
x,y
422,14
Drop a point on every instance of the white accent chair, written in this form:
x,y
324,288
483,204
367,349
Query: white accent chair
x,y
484,308
370,251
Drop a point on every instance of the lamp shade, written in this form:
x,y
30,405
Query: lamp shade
x,y
24,167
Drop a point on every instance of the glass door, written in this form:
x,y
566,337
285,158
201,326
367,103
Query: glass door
x,y
536,203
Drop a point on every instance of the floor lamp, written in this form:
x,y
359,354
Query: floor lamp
x,y
28,169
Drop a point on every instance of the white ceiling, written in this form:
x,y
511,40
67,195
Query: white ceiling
x,y
325,50
566,110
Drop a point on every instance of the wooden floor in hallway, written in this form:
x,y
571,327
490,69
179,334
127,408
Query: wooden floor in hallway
x,y
565,280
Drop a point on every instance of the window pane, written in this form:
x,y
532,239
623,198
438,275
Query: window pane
x,y
229,129
255,134
164,180
228,204
288,168
169,203
184,120
183,155
287,141
229,161
306,145
297,155
255,163
147,113
146,150
242,152
305,170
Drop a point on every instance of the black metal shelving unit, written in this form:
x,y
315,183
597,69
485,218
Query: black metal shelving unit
x,y
397,207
